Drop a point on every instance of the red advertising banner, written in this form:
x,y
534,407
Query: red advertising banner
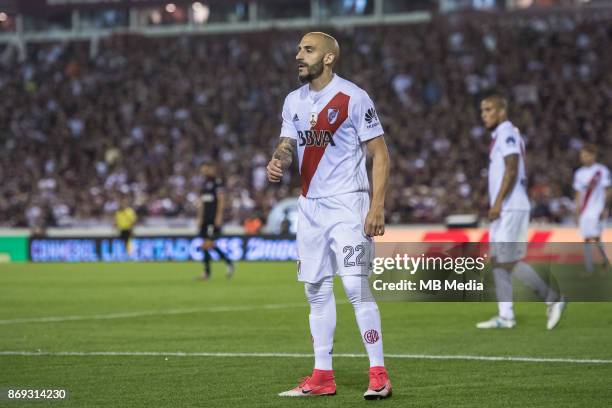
x,y
540,235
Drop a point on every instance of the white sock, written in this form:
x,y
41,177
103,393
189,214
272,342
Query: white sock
x,y
588,257
322,319
357,290
531,278
503,290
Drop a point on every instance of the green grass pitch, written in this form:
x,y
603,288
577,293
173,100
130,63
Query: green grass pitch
x,y
159,308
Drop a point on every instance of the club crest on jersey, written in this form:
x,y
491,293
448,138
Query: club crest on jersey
x,y
315,138
332,115
313,118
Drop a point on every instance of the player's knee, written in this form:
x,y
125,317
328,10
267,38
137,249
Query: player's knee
x,y
358,291
508,266
319,293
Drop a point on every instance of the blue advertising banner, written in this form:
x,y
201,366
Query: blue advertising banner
x,y
162,248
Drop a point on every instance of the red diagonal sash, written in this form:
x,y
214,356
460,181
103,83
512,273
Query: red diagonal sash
x,y
592,184
313,154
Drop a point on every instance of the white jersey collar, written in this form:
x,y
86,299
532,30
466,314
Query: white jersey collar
x,y
498,127
331,85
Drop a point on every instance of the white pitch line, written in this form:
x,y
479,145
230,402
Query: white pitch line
x,y
304,355
125,315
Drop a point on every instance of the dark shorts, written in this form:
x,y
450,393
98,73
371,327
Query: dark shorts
x,y
125,235
209,231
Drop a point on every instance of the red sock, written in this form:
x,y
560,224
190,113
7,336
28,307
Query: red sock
x,y
378,369
322,376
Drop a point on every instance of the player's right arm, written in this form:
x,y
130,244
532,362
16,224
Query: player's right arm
x,y
283,155
281,159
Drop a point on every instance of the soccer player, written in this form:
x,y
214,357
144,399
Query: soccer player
x,y
331,123
509,216
210,217
125,219
593,195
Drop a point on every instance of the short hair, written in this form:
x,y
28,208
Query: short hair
x,y
330,43
499,100
590,148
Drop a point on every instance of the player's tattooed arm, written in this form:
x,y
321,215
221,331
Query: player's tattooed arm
x,y
281,159
284,151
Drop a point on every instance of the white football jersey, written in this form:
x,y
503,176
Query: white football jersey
x,y
330,127
507,140
591,182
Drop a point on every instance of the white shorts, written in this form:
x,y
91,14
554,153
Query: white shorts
x,y
508,236
591,226
331,237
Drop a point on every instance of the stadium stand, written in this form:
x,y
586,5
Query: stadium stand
x,y
135,115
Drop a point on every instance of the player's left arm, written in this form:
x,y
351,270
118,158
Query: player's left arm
x,y
510,174
375,220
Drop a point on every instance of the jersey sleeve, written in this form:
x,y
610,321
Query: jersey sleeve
x,y
287,126
509,142
364,118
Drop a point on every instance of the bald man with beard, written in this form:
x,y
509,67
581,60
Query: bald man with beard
x,y
331,123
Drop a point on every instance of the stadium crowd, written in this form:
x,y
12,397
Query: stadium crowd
x,y
83,124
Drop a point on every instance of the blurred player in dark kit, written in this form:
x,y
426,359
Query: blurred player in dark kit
x,y
211,204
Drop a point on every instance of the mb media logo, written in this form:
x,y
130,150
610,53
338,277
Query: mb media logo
x,y
371,115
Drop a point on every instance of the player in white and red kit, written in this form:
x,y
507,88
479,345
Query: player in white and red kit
x,y
592,185
509,216
331,123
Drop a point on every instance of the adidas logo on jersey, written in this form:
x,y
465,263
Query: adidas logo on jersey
x,y
316,138
295,118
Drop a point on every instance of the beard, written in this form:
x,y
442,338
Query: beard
x,y
314,71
